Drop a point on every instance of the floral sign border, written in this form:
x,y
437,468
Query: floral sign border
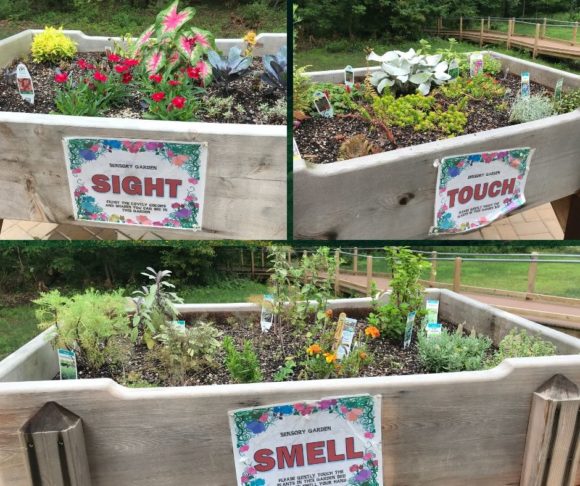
x,y
451,167
191,157
361,410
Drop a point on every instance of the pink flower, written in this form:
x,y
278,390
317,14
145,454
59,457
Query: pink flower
x,y
368,456
263,418
193,181
245,448
353,468
245,479
94,216
369,435
82,189
252,470
196,205
77,170
95,148
175,205
189,198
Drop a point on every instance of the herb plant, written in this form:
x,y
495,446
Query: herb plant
x,y
94,323
530,109
519,344
452,351
52,45
244,365
406,295
569,101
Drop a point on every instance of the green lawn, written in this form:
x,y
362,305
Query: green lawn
x,y
552,278
337,55
213,16
18,323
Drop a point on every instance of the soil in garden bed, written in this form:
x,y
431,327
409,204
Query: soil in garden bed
x,y
253,101
319,139
273,347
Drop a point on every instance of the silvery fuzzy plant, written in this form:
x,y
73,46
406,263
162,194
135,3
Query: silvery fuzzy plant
x,y
409,71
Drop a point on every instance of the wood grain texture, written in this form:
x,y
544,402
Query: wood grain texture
x,y
399,186
245,194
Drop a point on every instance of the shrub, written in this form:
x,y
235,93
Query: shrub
x,y
52,45
357,146
95,323
452,351
244,366
301,90
569,101
520,345
529,109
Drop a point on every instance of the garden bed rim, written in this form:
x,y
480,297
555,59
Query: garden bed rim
x,y
431,150
99,122
325,387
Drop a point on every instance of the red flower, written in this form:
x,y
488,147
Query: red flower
x,y
347,87
174,83
61,78
121,68
178,102
84,64
99,76
127,78
158,96
193,72
113,58
156,78
131,62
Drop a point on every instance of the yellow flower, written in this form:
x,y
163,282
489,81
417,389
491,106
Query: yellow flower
x,y
330,357
363,355
314,349
250,38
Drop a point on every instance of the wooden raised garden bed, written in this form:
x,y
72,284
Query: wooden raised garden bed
x,y
181,435
391,195
245,188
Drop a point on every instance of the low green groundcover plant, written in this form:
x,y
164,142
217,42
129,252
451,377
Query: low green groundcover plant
x,y
519,344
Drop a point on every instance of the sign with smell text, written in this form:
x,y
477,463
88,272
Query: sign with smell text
x,y
334,441
473,190
137,182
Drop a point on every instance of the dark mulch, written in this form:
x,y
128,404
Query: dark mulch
x,y
319,139
389,357
249,92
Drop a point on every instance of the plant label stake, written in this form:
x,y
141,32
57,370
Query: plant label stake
x,y
322,104
558,89
346,338
267,316
434,329
409,329
179,326
296,150
349,76
432,308
475,64
67,364
454,69
525,93
24,83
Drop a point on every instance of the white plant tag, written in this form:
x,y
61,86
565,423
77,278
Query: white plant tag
x,y
558,89
267,316
24,82
409,329
475,64
322,104
349,76
345,344
525,93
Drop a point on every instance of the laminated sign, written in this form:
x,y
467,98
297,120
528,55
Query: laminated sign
x,y
137,182
333,441
474,190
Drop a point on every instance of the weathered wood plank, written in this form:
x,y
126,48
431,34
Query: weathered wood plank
x,y
399,186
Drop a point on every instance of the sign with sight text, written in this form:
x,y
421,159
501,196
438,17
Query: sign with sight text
x,y
333,441
473,190
137,182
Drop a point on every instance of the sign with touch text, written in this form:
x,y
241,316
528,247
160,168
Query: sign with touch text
x,y
137,182
333,441
473,190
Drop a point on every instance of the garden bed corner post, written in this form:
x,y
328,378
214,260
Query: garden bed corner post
x,y
55,447
552,447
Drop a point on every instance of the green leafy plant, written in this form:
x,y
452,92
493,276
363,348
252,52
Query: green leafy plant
x,y
452,351
519,344
286,370
301,93
224,107
227,69
52,45
406,295
569,101
187,349
171,99
529,109
155,305
244,365
276,69
341,97
276,113
94,323
479,87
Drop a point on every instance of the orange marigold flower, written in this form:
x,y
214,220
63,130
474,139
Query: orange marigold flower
x,y
330,357
329,313
313,349
372,331
363,355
